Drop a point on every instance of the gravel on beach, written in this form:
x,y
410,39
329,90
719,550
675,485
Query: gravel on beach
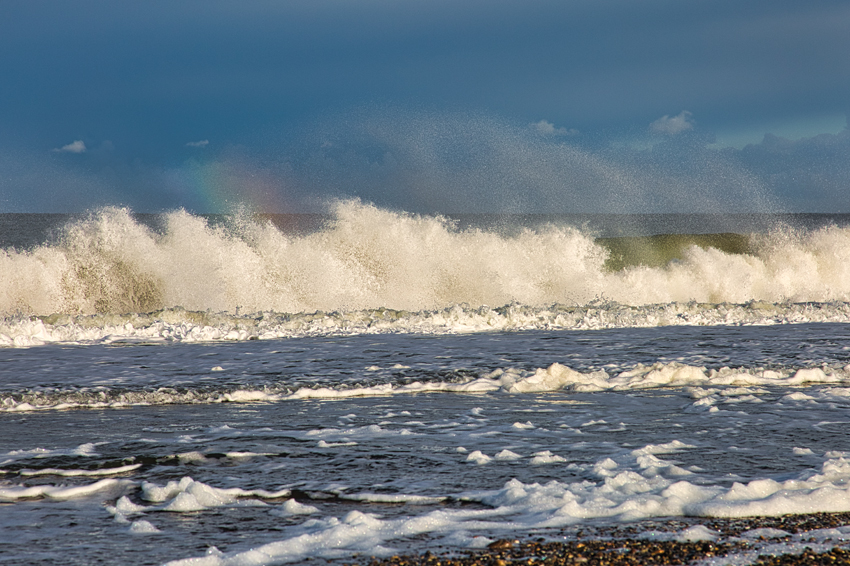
x,y
641,543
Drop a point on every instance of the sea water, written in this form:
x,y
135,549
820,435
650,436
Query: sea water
x,y
258,390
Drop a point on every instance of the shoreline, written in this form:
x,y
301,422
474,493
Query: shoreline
x,y
752,540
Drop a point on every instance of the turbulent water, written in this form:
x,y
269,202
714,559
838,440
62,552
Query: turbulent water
x,y
363,269
257,390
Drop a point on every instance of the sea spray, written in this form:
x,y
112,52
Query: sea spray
x,y
367,258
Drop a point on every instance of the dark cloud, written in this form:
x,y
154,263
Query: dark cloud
x,y
165,66
148,77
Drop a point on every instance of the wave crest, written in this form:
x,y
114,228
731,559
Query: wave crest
x,y
366,258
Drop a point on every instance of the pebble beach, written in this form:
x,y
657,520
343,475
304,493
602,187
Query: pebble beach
x,y
756,540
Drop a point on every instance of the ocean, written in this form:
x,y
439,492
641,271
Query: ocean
x,y
263,389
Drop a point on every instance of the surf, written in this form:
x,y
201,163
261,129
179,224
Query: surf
x,y
361,258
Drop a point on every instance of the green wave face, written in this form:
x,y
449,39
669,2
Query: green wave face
x,y
660,250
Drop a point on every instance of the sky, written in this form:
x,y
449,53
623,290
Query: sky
x,y
425,105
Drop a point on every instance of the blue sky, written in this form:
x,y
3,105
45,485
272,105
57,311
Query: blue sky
x,y
425,105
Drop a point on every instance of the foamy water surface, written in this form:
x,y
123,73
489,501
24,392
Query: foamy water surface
x,y
234,393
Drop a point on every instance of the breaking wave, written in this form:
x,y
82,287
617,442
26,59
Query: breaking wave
x,y
709,387
368,269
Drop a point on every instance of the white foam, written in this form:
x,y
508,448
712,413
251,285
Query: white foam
x,y
190,495
478,457
673,374
764,533
709,387
292,507
104,488
178,325
142,527
125,507
803,451
356,531
373,271
392,498
762,542
636,485
81,473
697,533
363,432
87,449
507,455
191,457
629,494
667,448
546,457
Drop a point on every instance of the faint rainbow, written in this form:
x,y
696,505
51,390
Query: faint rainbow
x,y
223,186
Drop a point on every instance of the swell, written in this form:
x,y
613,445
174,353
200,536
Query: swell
x,y
364,258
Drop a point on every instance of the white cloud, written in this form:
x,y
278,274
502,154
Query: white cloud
x,y
671,126
77,146
202,143
545,128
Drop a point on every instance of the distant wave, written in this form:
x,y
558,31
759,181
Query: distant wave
x,y
365,258
706,387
